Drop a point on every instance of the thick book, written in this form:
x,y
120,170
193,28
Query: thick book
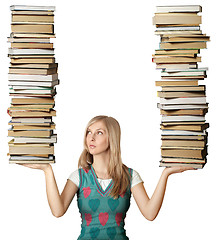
x,y
198,153
32,28
177,19
15,149
177,45
27,18
183,143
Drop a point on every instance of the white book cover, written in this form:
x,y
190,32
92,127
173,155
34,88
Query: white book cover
x,y
178,8
37,83
31,8
52,139
23,77
185,70
31,120
181,106
51,157
182,118
183,73
16,51
186,100
187,28
184,133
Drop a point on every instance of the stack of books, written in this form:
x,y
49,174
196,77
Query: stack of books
x,y
33,75
182,100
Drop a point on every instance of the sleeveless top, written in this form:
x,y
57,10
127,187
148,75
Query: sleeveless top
x,y
102,215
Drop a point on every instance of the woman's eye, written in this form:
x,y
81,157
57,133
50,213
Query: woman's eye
x,y
100,133
88,132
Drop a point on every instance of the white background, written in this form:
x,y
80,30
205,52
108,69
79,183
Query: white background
x,y
104,53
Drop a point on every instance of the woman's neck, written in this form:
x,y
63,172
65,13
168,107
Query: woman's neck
x,y
100,165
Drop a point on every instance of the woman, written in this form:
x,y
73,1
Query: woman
x,y
104,184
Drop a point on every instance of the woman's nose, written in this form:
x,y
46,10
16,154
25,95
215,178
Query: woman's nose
x,y
92,136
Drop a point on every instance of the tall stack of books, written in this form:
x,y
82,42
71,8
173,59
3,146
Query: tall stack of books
x,y
182,100
32,80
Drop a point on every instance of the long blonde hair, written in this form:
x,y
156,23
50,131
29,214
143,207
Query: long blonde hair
x,y
117,170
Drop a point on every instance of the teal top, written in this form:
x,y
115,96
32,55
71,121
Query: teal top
x,y
102,215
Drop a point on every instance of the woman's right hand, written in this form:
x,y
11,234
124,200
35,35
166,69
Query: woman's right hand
x,y
40,166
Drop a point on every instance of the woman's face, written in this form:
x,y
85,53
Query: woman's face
x,y
97,138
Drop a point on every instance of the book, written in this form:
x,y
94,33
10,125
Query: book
x,y
35,65
32,101
29,120
183,143
32,28
181,118
33,127
163,60
31,8
33,77
181,106
31,113
28,40
36,71
183,73
30,133
191,126
178,8
180,94
183,132
183,100
176,45
30,51
176,83
177,19
31,159
199,153
189,38
192,165
30,18
25,149
197,112
32,83
51,139
32,45
184,88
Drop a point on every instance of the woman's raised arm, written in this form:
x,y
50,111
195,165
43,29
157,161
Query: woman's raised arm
x,y
150,207
58,203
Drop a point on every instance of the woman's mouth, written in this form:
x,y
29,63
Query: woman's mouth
x,y
92,146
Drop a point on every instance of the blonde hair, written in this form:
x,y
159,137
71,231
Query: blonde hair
x,y
117,170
